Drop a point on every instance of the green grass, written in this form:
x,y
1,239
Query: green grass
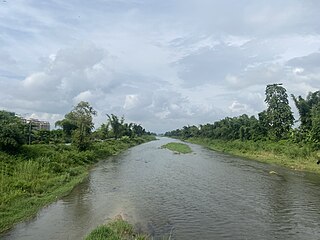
x,y
178,147
284,153
41,174
116,230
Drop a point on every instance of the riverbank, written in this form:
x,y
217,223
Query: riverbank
x,y
41,174
284,153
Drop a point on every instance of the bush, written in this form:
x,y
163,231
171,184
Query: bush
x,y
115,230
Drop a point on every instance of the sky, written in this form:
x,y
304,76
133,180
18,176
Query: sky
x,y
162,64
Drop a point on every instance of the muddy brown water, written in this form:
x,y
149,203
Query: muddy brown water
x,y
202,195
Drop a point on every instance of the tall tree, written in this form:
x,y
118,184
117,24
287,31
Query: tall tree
x,y
263,126
80,124
68,126
12,131
127,130
304,112
279,115
304,107
102,132
116,125
138,130
315,130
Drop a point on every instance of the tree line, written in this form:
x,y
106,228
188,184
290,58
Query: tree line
x,y
76,128
275,123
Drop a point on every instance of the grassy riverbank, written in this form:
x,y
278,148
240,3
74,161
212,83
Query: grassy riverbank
x,y
116,230
284,153
40,174
177,147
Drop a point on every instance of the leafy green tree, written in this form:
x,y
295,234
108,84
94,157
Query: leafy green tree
x,y
242,127
304,112
243,133
12,132
68,126
116,125
57,136
82,117
79,123
174,133
189,131
304,107
102,132
42,136
263,124
279,115
315,130
138,130
127,130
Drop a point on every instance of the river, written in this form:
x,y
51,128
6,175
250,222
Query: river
x,y
202,195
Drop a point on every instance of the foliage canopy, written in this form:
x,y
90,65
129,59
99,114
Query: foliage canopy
x,y
12,131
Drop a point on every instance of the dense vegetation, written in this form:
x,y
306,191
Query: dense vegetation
x,y
12,132
270,136
34,173
76,128
118,229
177,147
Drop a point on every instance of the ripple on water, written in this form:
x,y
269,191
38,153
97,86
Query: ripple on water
x,y
206,195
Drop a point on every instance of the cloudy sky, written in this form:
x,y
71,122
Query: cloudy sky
x,y
164,64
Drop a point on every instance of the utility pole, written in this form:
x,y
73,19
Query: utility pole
x,y
30,125
29,128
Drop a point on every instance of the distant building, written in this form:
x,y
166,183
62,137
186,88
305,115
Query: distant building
x,y
45,125
38,124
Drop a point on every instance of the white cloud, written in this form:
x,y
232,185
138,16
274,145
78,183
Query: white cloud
x,y
238,107
131,101
298,70
163,64
83,96
233,80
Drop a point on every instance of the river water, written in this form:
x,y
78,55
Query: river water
x,y
202,195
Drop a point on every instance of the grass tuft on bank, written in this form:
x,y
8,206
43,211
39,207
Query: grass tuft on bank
x,y
42,173
177,147
118,229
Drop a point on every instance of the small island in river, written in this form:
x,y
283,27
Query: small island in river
x,y
177,147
